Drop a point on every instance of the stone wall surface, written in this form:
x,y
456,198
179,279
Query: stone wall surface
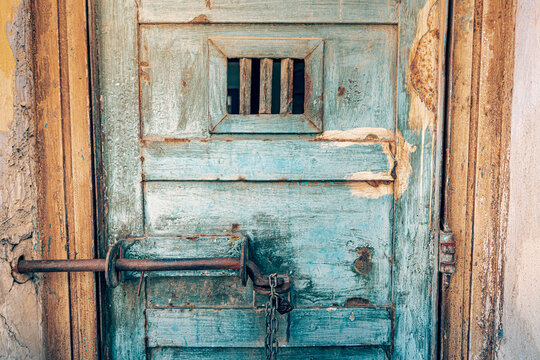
x,y
20,305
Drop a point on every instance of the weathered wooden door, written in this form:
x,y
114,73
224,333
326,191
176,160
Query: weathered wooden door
x,y
306,126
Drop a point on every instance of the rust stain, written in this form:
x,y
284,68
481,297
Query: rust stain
x,y
174,140
201,19
340,91
423,69
363,264
145,76
184,83
208,4
357,302
235,226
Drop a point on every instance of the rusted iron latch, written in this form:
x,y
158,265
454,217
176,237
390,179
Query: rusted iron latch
x,y
114,264
447,249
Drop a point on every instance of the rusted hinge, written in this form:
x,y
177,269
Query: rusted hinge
x,y
447,249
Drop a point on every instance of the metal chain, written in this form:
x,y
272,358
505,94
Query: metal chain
x,y
270,341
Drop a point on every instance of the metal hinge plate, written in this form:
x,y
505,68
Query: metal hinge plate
x,y
447,250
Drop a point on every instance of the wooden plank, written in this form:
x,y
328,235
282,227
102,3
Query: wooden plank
x,y
245,86
208,327
364,98
455,315
357,326
265,124
118,68
416,208
78,177
492,115
284,219
174,94
246,327
217,92
286,98
260,47
256,160
199,291
120,93
51,199
290,353
301,11
265,92
314,87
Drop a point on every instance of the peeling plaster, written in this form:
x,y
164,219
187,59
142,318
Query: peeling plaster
x,y
7,63
20,300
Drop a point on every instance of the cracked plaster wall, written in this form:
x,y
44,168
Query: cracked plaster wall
x,y
20,304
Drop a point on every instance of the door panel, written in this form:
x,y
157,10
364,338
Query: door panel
x,y
313,353
294,227
220,328
359,75
276,11
340,197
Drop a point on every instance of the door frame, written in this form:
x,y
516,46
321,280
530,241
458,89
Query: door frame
x,y
67,122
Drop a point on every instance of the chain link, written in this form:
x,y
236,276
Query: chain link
x,y
270,341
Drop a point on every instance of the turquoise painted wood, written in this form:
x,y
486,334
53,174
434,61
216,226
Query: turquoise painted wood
x,y
267,160
308,327
342,198
312,353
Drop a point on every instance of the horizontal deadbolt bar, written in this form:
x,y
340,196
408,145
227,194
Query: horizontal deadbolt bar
x,y
114,264
99,265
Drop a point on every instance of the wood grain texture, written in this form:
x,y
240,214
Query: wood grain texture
x,y
455,319
265,89
492,115
119,86
219,327
292,228
267,160
342,242
196,291
260,47
352,98
260,11
79,182
314,353
478,174
286,91
245,86
416,210
51,200
266,124
173,85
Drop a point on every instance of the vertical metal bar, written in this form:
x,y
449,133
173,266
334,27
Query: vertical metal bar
x,y
245,86
265,99
286,95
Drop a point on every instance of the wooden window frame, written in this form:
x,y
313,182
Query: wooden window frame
x,y
67,123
